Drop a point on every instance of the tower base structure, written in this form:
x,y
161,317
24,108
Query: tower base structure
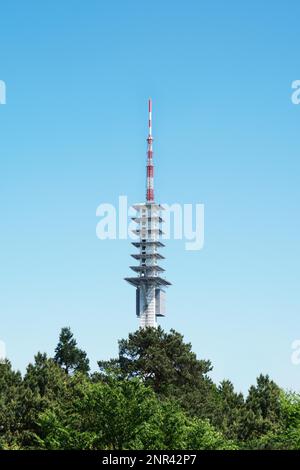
x,y
149,283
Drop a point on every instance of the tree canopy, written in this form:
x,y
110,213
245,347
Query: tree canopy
x,y
155,395
68,355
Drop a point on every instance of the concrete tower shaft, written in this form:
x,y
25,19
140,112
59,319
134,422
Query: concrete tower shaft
x,y
149,283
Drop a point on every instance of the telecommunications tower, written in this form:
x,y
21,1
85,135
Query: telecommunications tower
x,y
149,283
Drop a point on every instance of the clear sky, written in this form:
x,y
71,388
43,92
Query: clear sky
x,y
72,135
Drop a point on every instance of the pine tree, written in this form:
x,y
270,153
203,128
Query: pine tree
x,y
168,365
68,355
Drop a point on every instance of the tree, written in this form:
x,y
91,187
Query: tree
x,y
203,436
45,387
230,410
155,395
287,435
120,415
10,416
165,363
68,355
263,410
115,415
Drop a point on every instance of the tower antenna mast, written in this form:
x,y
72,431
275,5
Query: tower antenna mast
x,y
149,283
150,167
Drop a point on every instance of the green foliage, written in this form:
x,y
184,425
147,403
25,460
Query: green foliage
x,y
287,433
58,434
229,411
155,395
44,387
122,415
10,385
203,436
68,355
161,359
165,363
263,411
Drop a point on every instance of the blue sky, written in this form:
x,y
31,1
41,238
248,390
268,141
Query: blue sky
x,y
72,135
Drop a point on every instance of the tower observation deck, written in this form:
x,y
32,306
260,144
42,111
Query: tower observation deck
x,y
149,281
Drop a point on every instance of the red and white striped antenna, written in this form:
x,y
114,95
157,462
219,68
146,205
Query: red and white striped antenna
x,y
150,167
